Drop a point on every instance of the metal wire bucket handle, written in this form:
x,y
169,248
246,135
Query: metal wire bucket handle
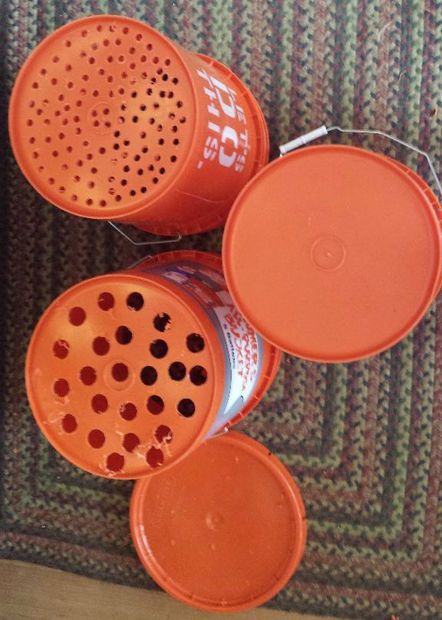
x,y
160,241
324,131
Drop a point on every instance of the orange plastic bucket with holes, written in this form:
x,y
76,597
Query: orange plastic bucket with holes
x,y
128,372
333,253
225,529
111,120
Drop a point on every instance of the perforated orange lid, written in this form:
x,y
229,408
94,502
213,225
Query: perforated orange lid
x,y
225,529
333,253
123,375
102,115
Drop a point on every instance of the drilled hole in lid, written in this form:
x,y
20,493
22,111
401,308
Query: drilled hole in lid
x,y
123,334
130,442
177,371
88,375
69,423
96,438
135,301
198,375
115,462
61,387
77,316
154,457
163,434
61,349
148,375
100,345
120,371
155,404
99,403
195,343
162,322
128,411
106,301
158,348
186,407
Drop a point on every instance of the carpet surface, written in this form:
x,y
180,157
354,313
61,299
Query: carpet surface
x,y
363,440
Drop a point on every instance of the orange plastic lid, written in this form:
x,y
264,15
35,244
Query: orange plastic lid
x,y
333,253
102,115
120,375
225,529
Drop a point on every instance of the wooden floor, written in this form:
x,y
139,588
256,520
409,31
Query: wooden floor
x,y
32,592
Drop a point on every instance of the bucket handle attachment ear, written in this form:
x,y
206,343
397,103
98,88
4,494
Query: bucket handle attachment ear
x,y
324,131
159,241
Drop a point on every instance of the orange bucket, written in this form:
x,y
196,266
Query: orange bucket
x,y
225,529
128,372
349,253
111,120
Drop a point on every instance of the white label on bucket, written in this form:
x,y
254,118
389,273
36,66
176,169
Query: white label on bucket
x,y
243,348
225,144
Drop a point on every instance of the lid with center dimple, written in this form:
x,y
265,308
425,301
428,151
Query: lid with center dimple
x,y
224,529
121,374
101,116
333,253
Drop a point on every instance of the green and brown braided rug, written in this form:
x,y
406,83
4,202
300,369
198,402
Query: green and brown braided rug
x,y
363,440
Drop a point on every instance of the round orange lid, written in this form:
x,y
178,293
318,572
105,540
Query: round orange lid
x,y
109,374
225,529
333,253
101,116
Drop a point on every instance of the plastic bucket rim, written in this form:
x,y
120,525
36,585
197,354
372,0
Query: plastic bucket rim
x,y
242,306
282,473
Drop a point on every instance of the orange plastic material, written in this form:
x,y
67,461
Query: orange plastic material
x,y
126,374
225,529
333,253
111,120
